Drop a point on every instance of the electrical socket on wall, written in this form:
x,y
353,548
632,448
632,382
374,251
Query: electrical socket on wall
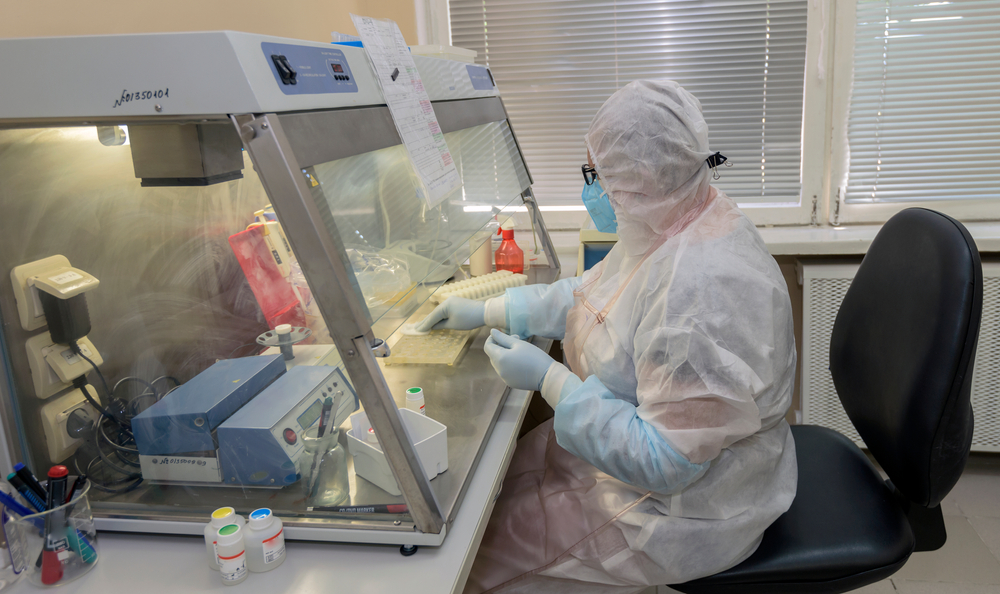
x,y
56,416
29,307
54,366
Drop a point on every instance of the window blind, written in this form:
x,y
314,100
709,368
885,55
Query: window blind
x,y
557,61
924,116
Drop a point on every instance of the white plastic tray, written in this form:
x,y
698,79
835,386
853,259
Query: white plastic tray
x,y
430,439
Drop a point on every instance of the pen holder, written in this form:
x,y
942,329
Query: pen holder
x,y
324,469
54,547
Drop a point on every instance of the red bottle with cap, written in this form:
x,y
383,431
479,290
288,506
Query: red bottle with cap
x,y
508,256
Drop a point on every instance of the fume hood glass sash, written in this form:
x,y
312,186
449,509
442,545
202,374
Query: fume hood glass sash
x,y
397,247
322,256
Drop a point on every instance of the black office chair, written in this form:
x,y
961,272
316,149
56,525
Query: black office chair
x,y
901,356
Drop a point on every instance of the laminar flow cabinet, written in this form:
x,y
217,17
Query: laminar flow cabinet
x,y
235,238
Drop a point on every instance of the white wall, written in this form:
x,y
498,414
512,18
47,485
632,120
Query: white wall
x,y
299,19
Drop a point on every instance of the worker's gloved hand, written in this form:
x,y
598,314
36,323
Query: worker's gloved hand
x,y
520,364
456,313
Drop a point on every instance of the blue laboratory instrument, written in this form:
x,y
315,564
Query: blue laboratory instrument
x,y
262,443
239,422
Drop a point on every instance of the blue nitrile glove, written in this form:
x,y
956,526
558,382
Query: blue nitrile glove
x,y
520,364
456,313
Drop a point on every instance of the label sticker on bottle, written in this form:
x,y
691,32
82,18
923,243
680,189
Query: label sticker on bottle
x,y
274,547
233,568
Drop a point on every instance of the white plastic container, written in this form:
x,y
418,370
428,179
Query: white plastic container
x,y
232,554
220,517
481,256
265,541
415,400
430,440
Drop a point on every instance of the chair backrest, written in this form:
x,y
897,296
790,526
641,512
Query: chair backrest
x,y
903,348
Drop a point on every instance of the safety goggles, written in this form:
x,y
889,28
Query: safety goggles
x,y
589,174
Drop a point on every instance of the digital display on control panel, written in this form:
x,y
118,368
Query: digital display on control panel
x,y
312,413
338,68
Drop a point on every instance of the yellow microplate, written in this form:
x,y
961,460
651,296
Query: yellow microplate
x,y
439,347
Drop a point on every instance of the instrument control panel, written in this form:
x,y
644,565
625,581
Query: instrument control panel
x,y
262,442
309,70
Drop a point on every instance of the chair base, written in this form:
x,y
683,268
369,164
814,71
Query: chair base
x,y
927,523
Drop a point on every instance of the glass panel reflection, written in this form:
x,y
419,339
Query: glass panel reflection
x,y
194,405
395,243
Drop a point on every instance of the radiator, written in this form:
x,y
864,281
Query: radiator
x,y
824,285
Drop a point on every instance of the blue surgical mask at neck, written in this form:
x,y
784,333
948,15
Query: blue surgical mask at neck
x,y
599,206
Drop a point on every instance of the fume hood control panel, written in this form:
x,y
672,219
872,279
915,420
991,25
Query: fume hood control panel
x,y
204,75
304,69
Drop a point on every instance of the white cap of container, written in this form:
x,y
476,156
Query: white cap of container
x,y
283,328
260,518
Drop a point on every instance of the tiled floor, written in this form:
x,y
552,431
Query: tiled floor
x,y
969,563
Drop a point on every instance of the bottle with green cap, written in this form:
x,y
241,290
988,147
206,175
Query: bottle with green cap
x,y
415,400
220,517
232,555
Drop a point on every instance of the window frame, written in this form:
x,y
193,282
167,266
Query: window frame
x,y
813,195
811,206
830,30
841,212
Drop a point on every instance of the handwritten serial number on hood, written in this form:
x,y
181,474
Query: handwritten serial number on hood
x,y
128,97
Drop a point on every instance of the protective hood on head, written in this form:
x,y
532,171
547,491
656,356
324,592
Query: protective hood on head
x,y
649,142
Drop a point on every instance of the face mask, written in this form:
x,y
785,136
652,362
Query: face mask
x,y
599,206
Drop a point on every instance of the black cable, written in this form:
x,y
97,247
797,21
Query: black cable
x,y
121,458
104,488
132,403
118,447
90,468
167,377
104,457
105,484
80,383
137,380
149,392
76,350
123,421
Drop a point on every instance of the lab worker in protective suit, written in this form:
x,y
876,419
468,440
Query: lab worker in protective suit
x,y
669,454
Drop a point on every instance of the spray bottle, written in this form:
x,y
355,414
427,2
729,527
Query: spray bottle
x,y
508,256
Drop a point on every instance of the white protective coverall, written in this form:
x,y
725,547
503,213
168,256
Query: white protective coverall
x,y
669,454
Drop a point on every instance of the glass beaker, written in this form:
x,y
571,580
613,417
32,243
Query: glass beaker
x,y
53,547
324,469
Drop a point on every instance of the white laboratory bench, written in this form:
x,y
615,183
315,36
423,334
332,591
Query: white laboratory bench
x,y
154,564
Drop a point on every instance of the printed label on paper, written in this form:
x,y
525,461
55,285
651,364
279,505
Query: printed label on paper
x,y
410,107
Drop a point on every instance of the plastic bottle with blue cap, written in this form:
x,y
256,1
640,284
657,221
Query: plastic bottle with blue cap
x,y
265,541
